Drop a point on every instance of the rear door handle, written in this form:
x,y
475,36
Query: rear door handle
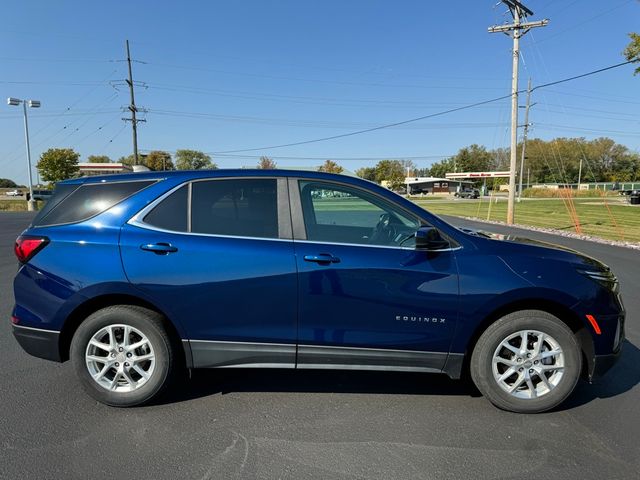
x,y
322,258
159,248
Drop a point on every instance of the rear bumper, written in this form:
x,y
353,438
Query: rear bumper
x,y
37,342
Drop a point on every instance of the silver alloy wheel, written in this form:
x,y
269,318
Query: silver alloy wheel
x,y
528,364
120,358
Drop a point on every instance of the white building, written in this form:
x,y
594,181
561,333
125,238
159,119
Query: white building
x,y
90,169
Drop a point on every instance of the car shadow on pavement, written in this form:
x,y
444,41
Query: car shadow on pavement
x,y
205,382
624,375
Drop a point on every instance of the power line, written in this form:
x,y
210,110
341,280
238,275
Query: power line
x,y
312,80
307,123
349,102
600,70
579,24
424,117
63,83
381,127
331,157
608,100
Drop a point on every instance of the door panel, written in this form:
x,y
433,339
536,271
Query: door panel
x,y
373,294
219,289
234,296
377,297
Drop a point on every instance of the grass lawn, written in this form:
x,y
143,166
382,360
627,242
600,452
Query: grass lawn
x,y
17,205
595,218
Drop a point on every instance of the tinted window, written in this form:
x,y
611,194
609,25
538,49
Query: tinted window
x,y
335,213
170,213
59,194
88,201
242,207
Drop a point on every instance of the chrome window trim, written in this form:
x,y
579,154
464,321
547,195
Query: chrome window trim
x,y
137,219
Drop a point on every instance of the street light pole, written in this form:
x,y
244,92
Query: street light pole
x,y
31,204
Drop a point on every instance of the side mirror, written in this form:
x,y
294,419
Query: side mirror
x,y
429,238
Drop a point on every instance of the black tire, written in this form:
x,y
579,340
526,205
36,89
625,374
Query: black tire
x,y
482,368
147,322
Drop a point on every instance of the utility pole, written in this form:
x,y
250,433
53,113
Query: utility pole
x,y
132,108
580,173
524,138
515,30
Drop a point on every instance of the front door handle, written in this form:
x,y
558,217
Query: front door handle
x,y
322,258
159,248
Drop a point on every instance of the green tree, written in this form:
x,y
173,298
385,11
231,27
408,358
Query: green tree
x,y
409,167
7,183
441,168
128,160
368,173
391,171
266,163
98,159
193,160
632,52
421,172
330,167
57,164
158,160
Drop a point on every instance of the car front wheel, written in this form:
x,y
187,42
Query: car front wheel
x,y
526,362
122,355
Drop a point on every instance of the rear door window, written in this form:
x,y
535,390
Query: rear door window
x,y
236,207
86,201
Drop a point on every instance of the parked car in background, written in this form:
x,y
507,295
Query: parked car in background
x,y
135,277
467,193
13,193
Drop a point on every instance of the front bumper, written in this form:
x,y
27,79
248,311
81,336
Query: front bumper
x,y
37,342
603,363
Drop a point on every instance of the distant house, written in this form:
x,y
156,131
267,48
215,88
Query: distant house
x,y
418,185
90,169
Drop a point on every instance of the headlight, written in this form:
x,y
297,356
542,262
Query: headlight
x,y
605,278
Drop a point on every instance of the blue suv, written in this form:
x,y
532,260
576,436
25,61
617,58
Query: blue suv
x,y
136,277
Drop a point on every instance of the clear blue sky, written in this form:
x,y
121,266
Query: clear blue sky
x,y
231,75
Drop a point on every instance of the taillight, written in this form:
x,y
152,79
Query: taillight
x,y
27,246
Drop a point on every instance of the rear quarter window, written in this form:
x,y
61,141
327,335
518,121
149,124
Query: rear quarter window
x,y
72,205
171,213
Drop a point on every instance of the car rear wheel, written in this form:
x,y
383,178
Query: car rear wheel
x,y
526,362
122,355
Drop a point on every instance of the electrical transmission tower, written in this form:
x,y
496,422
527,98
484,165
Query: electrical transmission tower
x,y
515,30
133,109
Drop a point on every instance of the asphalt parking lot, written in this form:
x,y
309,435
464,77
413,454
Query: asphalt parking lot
x,y
301,424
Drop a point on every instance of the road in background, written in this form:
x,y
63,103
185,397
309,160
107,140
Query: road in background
x,y
304,424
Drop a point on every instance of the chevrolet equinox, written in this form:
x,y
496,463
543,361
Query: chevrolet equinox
x,y
135,277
